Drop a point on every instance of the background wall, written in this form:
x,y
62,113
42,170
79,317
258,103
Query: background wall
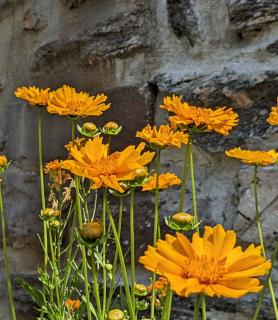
x,y
213,52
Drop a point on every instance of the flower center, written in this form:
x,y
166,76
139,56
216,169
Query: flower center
x,y
105,166
206,269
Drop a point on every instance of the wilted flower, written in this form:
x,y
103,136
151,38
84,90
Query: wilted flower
x,y
78,143
220,120
210,264
66,101
165,180
72,305
162,137
259,158
33,95
57,175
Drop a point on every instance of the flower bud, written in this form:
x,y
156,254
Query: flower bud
x,y
89,126
182,218
108,267
111,126
92,231
141,173
3,161
116,314
140,289
50,213
55,224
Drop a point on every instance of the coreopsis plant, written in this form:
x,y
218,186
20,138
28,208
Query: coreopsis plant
x,y
66,101
79,276
210,264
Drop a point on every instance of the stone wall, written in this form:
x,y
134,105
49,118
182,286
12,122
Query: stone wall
x,y
213,52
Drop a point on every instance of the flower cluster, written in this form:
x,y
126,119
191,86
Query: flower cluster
x,y
65,101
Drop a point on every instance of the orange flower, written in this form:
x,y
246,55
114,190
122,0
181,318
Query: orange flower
x,y
210,264
259,158
66,101
73,305
162,137
53,166
165,180
161,285
33,95
93,162
220,120
273,116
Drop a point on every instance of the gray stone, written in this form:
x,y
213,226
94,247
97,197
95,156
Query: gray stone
x,y
252,15
33,20
72,4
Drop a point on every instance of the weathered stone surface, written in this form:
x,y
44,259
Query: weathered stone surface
x,y
33,20
72,4
245,222
252,15
184,19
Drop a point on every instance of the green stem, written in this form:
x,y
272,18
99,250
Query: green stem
x,y
54,264
95,286
45,239
184,177
156,227
104,298
132,245
123,266
83,250
112,284
4,240
255,183
259,303
192,175
196,308
203,304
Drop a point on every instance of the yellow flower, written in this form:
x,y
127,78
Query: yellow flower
x,y
93,162
66,101
259,158
3,161
273,116
210,264
73,305
33,95
162,137
165,180
220,120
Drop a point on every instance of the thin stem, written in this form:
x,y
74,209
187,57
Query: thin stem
x,y
6,262
259,303
132,245
122,263
184,176
42,186
156,227
112,284
192,175
196,308
95,285
56,285
83,250
255,183
104,298
203,304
